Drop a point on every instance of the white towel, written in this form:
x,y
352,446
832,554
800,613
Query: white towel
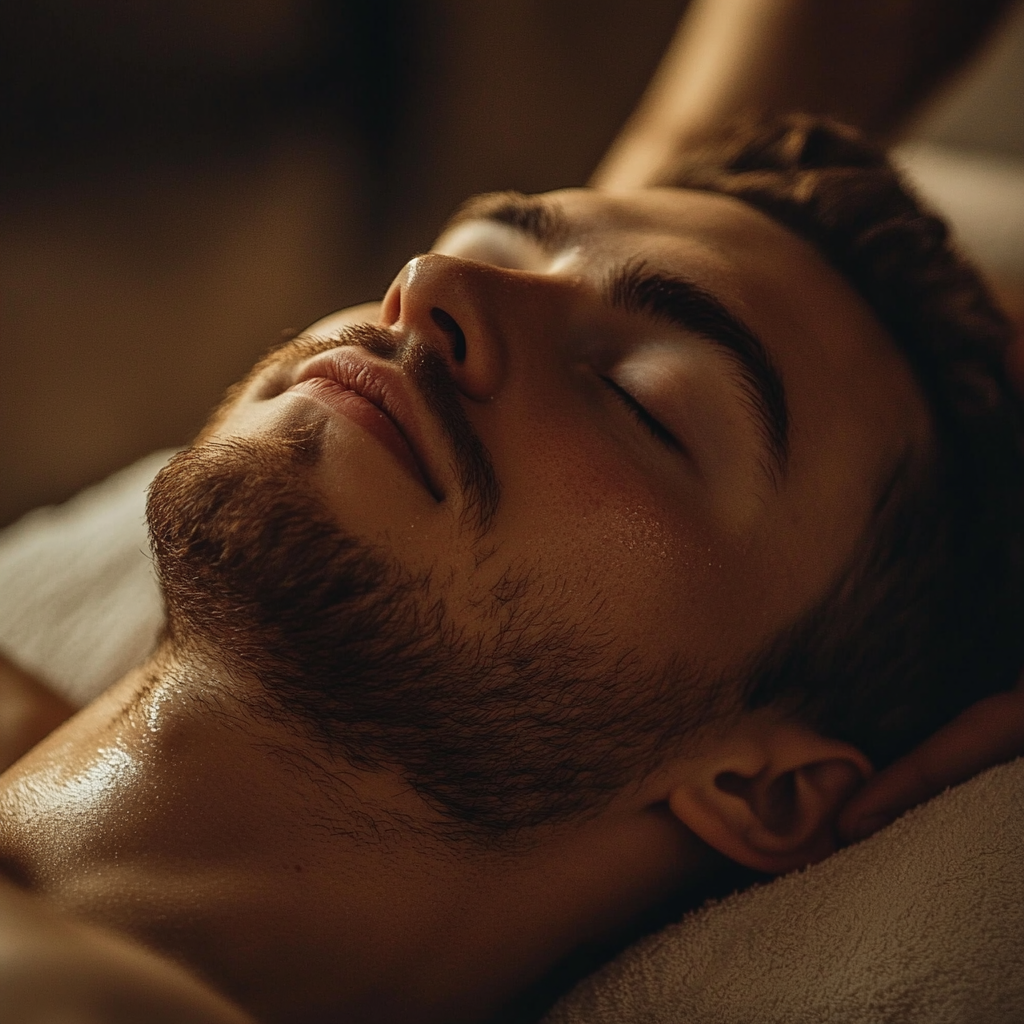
x,y
79,604
921,924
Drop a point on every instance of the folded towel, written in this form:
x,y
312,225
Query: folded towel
x,y
921,924
79,604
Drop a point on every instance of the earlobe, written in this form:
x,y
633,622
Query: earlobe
x,y
768,794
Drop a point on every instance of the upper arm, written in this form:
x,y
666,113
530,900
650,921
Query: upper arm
x,y
28,711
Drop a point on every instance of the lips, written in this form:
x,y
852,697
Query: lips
x,y
376,397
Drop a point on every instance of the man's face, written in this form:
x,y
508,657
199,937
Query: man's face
x,y
593,452
781,409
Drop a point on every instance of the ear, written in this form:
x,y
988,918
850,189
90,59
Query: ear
x,y
768,793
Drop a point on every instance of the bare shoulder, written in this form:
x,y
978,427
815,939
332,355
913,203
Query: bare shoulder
x,y
53,968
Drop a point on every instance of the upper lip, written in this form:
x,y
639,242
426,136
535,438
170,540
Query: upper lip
x,y
387,388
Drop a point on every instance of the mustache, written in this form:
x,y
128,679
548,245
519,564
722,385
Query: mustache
x,y
429,373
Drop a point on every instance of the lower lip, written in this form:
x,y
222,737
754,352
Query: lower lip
x,y
364,414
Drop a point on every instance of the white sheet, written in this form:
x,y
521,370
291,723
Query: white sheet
x,y
79,604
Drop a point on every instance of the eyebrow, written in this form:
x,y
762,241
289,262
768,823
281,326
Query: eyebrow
x,y
666,297
690,307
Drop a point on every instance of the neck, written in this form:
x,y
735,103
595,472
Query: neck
x,y
294,883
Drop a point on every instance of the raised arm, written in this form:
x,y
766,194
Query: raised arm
x,y
869,63
28,712
986,734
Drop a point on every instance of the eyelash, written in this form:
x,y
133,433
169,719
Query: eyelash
x,y
642,416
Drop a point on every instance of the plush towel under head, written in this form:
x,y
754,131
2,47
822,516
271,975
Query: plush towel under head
x,y
921,924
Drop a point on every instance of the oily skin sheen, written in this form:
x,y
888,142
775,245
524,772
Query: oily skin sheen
x,y
303,885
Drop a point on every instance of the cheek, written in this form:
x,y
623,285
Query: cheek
x,y
593,526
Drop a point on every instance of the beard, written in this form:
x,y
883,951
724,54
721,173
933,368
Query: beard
x,y
524,713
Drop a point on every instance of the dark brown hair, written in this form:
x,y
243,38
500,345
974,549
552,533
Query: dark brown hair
x,y
929,616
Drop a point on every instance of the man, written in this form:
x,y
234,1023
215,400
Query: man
x,y
620,542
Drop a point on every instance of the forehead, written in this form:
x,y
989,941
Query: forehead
x,y
704,223
764,273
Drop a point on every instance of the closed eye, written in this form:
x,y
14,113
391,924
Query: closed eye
x,y
653,426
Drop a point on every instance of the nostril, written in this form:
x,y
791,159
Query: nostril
x,y
453,330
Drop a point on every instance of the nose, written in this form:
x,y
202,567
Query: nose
x,y
436,301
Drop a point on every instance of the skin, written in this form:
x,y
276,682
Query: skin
x,y
170,814
28,711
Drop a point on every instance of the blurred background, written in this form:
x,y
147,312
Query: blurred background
x,y
180,183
